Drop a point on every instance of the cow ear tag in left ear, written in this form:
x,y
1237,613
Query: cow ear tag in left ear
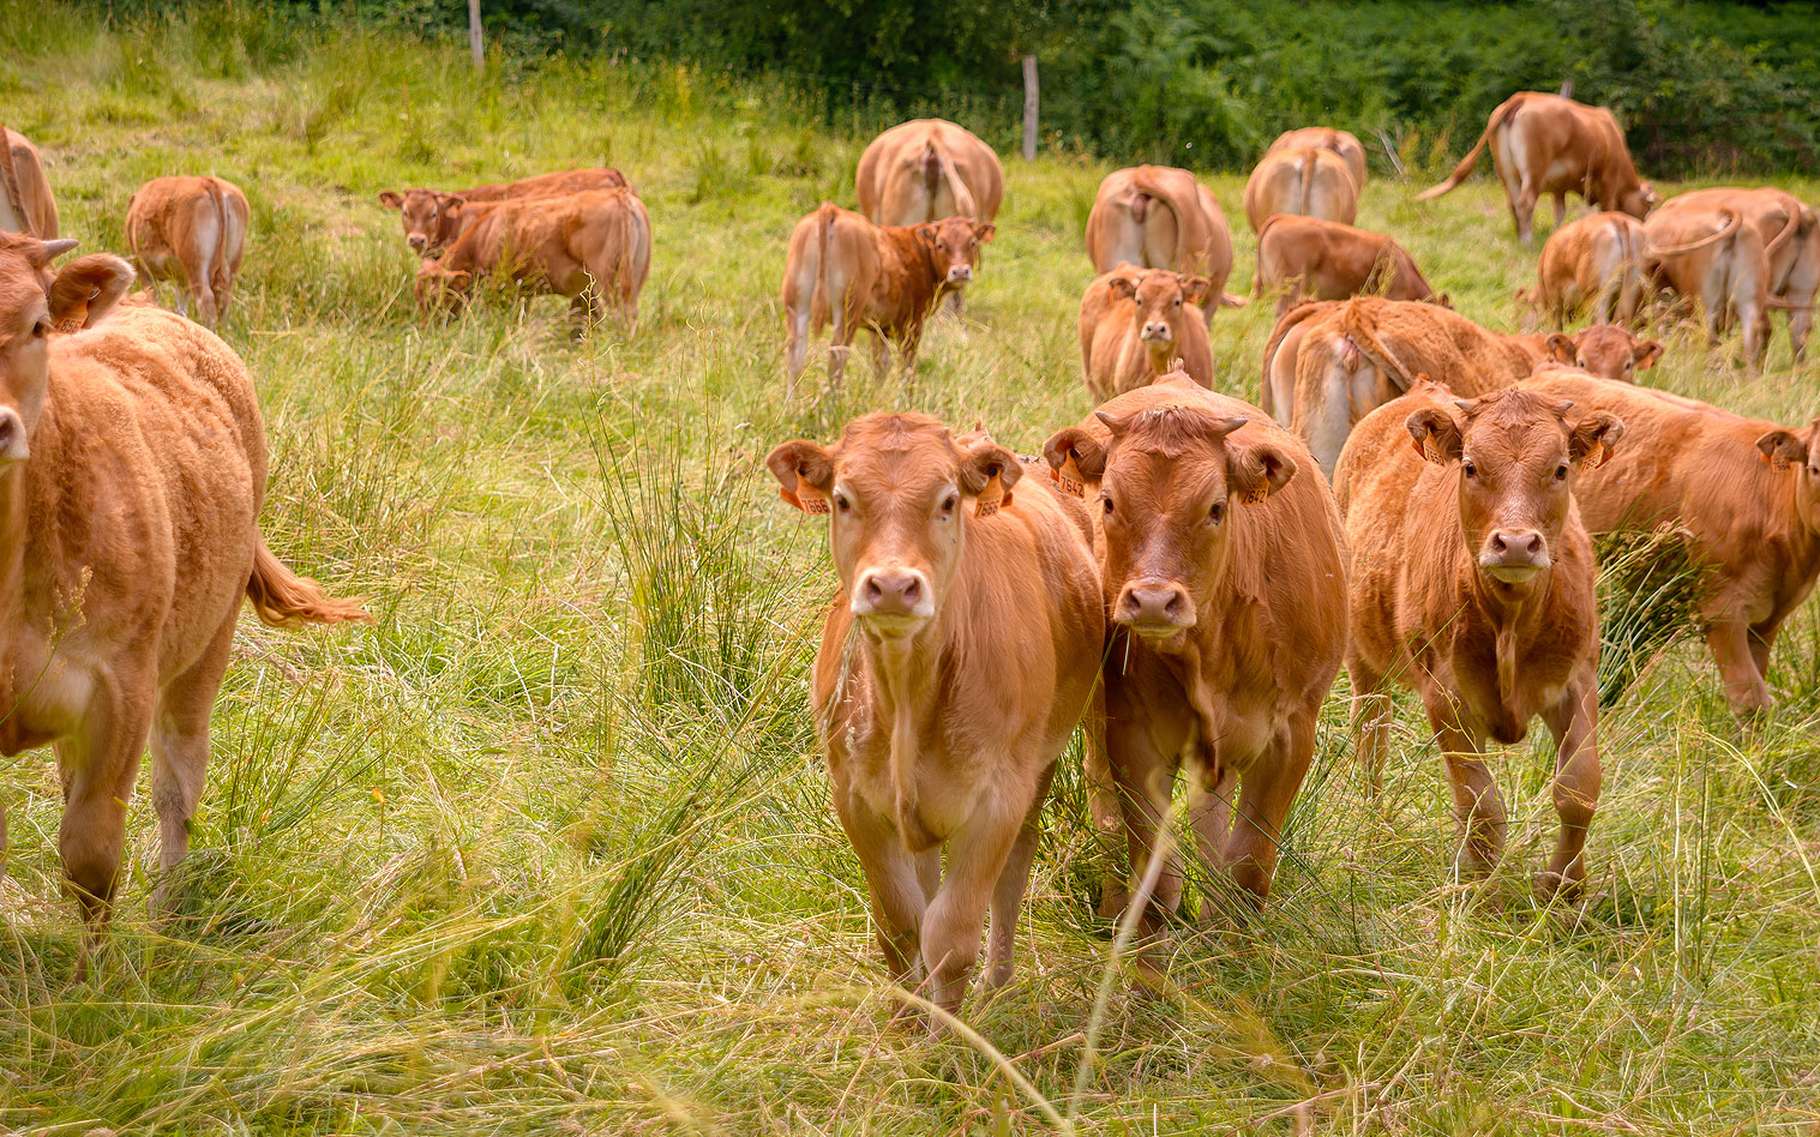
x,y
992,497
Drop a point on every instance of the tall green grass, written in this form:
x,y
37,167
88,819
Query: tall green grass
x,y
548,848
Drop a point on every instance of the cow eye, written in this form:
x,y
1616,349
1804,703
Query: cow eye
x,y
1467,468
1217,514
842,503
41,329
1178,301
1106,503
1561,472
949,502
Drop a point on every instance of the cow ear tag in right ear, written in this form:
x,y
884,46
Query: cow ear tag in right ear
x,y
812,499
1070,476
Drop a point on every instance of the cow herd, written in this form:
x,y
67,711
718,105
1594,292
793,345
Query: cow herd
x,y
1180,573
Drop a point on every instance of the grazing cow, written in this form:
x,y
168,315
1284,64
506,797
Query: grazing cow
x,y
1140,324
1595,262
884,278
1310,256
1160,217
956,659
1542,143
928,169
1223,571
1746,491
1313,182
1343,143
594,248
1712,258
1790,230
26,203
191,231
132,468
433,219
1605,350
1491,619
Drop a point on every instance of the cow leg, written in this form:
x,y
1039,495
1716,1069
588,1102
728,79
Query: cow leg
x,y
952,925
1008,893
1478,808
1560,207
1371,712
99,764
180,751
1103,808
1574,721
1271,784
1745,689
1210,816
893,880
796,327
206,311
1523,209
840,344
1762,638
1800,322
1145,778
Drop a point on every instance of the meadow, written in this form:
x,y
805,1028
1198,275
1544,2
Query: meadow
x,y
547,848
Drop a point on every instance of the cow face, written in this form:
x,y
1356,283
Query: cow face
x,y
439,288
1513,455
1798,451
1160,298
37,301
431,219
1638,200
895,488
1171,479
1605,350
953,248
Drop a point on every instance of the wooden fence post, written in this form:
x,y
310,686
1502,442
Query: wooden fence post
x,y
1029,107
475,45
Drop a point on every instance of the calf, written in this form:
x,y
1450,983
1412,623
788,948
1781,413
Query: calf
x,y
190,230
116,628
885,278
1712,258
1161,217
1491,619
1593,262
1605,350
1313,182
1747,493
1224,574
956,659
594,248
26,203
1790,231
1341,142
1137,325
433,219
1313,257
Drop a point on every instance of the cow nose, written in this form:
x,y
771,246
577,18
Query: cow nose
x,y
12,437
416,242
1155,606
1514,555
1156,331
891,592
960,274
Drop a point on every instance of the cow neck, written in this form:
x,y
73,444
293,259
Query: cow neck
x,y
922,281
1515,618
1161,357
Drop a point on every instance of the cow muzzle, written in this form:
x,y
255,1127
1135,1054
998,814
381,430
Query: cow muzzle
x,y
1156,332
960,274
1514,556
13,446
1154,609
892,601
417,241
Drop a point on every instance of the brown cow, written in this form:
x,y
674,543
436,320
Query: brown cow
x,y
132,467
190,231
26,203
1790,230
1310,256
1161,217
1137,325
1714,259
1314,182
955,661
1595,262
594,248
1492,619
1542,143
1605,350
1224,574
884,278
928,169
1343,143
1746,490
434,218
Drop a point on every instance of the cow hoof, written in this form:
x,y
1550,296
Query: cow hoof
x,y
1114,898
1551,886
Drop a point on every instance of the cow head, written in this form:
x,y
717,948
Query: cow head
x,y
1513,455
1171,480
431,219
440,288
1637,201
1799,451
895,488
36,302
1161,296
953,248
1605,350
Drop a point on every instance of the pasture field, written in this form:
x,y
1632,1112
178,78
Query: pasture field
x,y
547,848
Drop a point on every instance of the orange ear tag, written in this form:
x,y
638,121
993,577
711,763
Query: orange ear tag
x,y
1070,477
991,498
812,499
1253,497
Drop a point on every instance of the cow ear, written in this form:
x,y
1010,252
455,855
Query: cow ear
x,y
1436,434
1075,458
1781,447
1195,289
987,473
1645,354
1121,287
1256,470
1560,348
926,234
391,199
804,473
1593,439
86,288
453,201
984,233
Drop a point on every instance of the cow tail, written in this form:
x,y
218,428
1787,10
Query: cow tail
x,y
1257,276
1775,246
1308,165
1369,345
964,204
1498,118
1732,221
218,268
822,298
283,599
